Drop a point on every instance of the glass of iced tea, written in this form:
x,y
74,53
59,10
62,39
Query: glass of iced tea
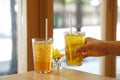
x,y
72,41
42,54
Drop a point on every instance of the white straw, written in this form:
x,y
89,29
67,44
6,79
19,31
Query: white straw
x,y
70,23
46,29
70,26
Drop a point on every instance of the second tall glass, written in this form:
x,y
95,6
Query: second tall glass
x,y
42,54
72,41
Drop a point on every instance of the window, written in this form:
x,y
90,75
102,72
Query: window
x,y
118,38
8,37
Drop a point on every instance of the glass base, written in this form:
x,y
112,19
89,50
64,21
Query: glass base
x,y
73,64
42,72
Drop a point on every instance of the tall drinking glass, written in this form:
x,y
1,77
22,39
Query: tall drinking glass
x,y
42,54
72,41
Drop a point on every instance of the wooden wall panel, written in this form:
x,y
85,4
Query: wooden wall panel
x,y
37,11
109,34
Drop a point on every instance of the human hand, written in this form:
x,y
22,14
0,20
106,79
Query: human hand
x,y
93,47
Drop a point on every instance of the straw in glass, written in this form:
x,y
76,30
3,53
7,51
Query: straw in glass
x,y
46,29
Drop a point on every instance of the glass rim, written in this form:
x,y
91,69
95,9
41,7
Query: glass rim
x,y
75,33
42,40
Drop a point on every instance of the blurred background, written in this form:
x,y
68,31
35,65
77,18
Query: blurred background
x,y
86,16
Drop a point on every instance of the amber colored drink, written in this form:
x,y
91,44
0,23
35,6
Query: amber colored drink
x,y
73,41
42,56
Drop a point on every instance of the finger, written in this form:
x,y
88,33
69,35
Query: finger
x,y
83,48
91,53
88,53
78,50
85,54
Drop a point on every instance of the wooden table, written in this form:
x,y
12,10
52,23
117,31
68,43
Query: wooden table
x,y
64,74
